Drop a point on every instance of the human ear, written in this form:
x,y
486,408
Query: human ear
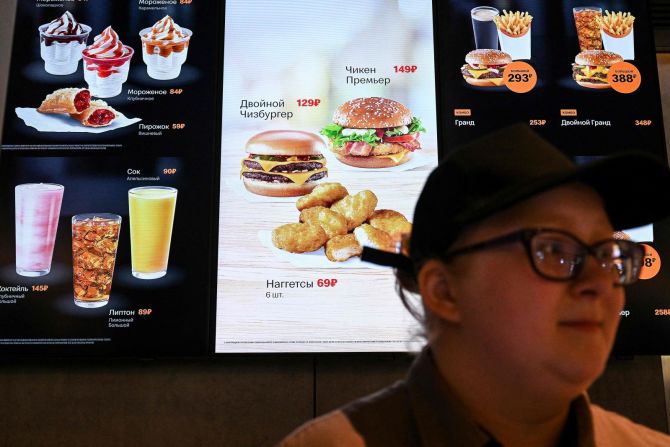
x,y
436,291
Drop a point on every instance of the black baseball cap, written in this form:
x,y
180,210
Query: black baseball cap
x,y
497,171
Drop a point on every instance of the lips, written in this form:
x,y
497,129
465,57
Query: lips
x,y
585,325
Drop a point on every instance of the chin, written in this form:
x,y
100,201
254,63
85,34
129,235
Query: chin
x,y
576,371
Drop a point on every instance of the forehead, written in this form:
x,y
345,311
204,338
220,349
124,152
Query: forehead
x,y
573,207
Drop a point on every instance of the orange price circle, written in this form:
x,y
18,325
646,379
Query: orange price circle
x,y
520,77
624,77
651,264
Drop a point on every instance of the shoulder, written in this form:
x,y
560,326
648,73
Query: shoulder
x,y
390,405
330,430
383,418
613,430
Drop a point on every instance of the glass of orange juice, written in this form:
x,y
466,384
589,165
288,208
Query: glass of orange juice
x,y
151,213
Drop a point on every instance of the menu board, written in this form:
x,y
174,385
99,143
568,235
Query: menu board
x,y
108,170
188,178
583,75
328,134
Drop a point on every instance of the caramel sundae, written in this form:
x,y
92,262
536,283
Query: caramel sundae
x,y
164,48
61,44
106,64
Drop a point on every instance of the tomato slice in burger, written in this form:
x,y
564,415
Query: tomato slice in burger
x,y
401,138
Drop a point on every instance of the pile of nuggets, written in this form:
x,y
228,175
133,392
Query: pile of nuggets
x,y
343,223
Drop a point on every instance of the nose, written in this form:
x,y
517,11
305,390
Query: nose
x,y
596,279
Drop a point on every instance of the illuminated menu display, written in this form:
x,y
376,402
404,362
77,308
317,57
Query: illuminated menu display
x,y
184,179
329,132
106,176
583,75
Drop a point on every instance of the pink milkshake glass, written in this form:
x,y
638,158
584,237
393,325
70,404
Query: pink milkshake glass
x,y
37,210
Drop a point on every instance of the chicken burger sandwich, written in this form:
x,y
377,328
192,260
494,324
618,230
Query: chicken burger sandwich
x,y
373,133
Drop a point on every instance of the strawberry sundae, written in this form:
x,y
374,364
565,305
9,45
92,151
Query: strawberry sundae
x,y
61,43
164,48
106,64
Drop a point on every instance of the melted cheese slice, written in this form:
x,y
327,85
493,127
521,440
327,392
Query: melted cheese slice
x,y
268,165
479,73
296,177
588,72
395,157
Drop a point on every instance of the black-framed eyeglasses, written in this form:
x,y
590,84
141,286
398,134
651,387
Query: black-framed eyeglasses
x,y
558,255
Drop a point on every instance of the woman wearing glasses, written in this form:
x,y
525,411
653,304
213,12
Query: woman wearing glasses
x,y
519,283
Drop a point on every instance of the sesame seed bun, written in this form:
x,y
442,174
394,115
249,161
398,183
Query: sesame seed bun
x,y
285,142
488,57
372,113
598,58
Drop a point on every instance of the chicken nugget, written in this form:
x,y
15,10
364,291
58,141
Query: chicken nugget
x,y
324,194
369,236
393,222
332,223
340,248
299,237
357,208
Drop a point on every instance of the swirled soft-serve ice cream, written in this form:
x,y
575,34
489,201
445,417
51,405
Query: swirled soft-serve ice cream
x,y
106,64
164,48
61,43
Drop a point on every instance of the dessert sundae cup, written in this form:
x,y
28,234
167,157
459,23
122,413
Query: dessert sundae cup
x,y
106,64
61,43
164,48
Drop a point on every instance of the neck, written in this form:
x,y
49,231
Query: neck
x,y
511,412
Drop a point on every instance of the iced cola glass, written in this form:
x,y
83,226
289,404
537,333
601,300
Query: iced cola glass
x,y
485,30
37,208
151,212
95,238
588,30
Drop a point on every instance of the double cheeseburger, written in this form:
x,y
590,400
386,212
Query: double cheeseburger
x,y
591,67
485,68
283,163
373,133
